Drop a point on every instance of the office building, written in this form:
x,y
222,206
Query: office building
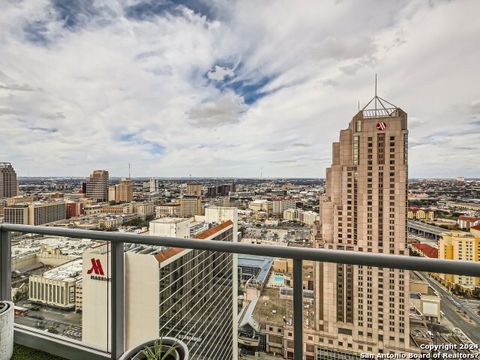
x,y
8,180
188,294
361,309
125,190
97,185
464,246
122,192
56,287
191,205
195,189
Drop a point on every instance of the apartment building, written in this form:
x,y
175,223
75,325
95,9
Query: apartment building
x,y
464,246
280,204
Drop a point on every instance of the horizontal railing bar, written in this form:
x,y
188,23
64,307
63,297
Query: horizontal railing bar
x,y
323,255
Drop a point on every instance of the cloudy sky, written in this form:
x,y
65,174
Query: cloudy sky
x,y
226,88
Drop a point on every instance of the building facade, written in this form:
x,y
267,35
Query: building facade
x,y
191,205
362,309
195,189
56,287
459,245
8,180
97,185
39,213
280,204
184,293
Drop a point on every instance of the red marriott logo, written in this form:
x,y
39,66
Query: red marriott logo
x,y
96,267
381,126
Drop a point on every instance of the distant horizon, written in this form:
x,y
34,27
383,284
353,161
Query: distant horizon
x,y
223,178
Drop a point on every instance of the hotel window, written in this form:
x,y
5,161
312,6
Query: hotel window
x,y
356,150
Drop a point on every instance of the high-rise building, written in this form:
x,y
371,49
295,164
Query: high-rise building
x,y
154,185
8,180
187,294
125,190
97,185
191,205
121,192
194,189
282,203
364,209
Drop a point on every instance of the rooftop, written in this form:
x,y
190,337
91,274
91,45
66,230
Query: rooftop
x,y
68,272
170,220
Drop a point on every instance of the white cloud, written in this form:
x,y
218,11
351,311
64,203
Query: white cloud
x,y
225,91
219,73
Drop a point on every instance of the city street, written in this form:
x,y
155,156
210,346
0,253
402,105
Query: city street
x,y
449,307
64,322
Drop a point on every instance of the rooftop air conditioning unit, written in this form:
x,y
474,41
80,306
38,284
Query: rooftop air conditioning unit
x,y
6,330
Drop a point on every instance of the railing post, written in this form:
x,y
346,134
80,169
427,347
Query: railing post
x,y
5,265
117,316
297,310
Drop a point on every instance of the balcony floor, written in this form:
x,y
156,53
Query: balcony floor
x,y
23,353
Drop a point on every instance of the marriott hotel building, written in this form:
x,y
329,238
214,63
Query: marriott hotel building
x,y
182,293
363,309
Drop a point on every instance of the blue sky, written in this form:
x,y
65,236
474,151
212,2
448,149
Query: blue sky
x,y
227,88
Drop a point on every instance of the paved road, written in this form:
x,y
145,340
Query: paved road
x,y
449,308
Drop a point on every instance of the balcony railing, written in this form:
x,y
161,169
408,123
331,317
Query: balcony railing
x,y
76,350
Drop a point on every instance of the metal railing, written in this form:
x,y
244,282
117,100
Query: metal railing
x,y
297,254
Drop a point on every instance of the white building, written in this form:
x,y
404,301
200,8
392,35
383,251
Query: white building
x,y
56,287
306,217
220,214
187,294
175,227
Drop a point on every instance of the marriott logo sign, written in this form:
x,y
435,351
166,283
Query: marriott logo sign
x,y
96,271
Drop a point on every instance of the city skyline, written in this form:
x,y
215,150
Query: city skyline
x,y
221,90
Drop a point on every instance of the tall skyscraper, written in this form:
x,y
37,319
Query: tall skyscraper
x,y
361,308
8,180
97,185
